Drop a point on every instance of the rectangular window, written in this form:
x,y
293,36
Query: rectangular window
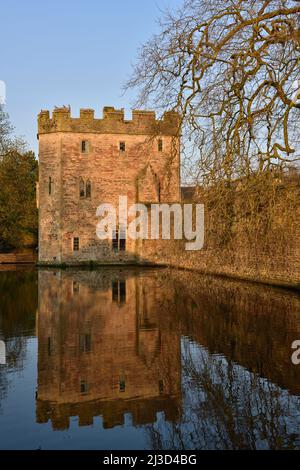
x,y
160,145
115,240
122,244
50,185
88,189
84,146
75,287
115,291
161,386
119,291
122,147
84,388
122,385
119,239
81,188
75,244
85,343
122,291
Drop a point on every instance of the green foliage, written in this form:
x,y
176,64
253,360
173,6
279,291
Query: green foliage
x,y
18,176
18,212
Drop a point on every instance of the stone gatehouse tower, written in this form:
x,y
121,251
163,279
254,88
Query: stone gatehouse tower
x,y
84,162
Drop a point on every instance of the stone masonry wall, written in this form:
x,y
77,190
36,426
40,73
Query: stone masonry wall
x,y
142,173
268,254
272,257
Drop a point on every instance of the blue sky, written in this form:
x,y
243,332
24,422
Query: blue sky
x,y
70,52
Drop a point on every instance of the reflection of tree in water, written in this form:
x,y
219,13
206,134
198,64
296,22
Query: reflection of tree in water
x,y
18,293
227,407
3,385
15,355
16,352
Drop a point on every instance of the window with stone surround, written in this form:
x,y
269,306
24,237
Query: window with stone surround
x,y
115,240
75,287
88,189
84,387
122,243
122,292
119,291
119,239
122,146
76,244
85,189
85,343
50,184
84,146
160,145
115,291
122,384
81,188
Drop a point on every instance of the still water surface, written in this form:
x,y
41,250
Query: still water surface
x,y
146,359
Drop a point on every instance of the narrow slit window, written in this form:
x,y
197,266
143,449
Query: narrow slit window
x,y
122,147
160,145
115,240
85,343
84,146
50,184
122,291
81,188
122,385
84,388
88,189
75,287
75,244
122,244
115,291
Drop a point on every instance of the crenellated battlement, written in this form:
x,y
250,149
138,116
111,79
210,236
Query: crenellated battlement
x,y
113,122
142,411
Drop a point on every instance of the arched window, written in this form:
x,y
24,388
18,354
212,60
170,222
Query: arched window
x,y
81,188
88,189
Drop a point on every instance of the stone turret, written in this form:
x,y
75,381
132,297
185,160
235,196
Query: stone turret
x,y
85,161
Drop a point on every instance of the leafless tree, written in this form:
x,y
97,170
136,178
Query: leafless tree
x,y
5,130
227,408
230,68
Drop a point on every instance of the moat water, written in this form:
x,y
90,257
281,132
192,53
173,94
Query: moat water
x,y
146,359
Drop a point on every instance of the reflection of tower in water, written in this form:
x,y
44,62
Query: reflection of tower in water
x,y
105,348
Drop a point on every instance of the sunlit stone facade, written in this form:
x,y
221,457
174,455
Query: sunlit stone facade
x,y
84,162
